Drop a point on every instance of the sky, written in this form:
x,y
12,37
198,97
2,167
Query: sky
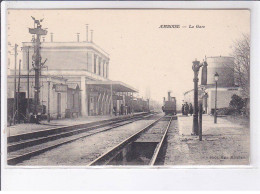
x,y
142,54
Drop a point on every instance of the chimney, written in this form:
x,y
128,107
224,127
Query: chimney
x,y
51,37
163,99
78,37
91,39
86,32
169,96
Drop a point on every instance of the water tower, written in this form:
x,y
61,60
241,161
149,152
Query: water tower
x,y
224,66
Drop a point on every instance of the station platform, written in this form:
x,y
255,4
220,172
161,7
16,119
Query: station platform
x,y
225,143
32,127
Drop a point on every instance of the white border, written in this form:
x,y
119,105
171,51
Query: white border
x,y
178,177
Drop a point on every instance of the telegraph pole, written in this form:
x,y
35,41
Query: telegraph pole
x,y
18,93
28,84
15,60
37,64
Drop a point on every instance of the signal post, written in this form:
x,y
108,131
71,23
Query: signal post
x,y
38,31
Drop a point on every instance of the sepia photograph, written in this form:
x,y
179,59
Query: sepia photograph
x,y
127,87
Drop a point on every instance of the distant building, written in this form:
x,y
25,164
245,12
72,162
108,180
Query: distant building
x,y
224,66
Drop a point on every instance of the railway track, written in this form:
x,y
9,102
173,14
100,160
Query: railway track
x,y
146,143
24,146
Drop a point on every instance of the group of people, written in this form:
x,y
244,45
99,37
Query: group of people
x,y
187,109
123,110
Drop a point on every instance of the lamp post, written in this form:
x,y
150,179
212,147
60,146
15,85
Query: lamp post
x,y
203,90
216,76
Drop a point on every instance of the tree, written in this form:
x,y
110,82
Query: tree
x,y
241,54
236,103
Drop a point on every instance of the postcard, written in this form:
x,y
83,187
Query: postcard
x,y
127,87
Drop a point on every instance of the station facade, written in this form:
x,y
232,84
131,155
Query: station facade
x,y
74,81
226,85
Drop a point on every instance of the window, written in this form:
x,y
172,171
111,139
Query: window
x,y
95,64
87,63
106,70
103,68
99,67
73,100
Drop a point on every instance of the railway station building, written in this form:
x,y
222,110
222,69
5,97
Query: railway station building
x,y
227,86
74,81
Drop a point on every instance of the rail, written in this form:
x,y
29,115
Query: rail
x,y
105,158
159,146
17,158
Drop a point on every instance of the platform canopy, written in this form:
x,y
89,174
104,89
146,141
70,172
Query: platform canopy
x,y
117,86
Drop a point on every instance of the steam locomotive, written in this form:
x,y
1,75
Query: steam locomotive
x,y
169,107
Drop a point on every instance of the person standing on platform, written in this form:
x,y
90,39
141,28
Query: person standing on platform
x,y
186,109
190,109
126,110
182,109
121,109
114,109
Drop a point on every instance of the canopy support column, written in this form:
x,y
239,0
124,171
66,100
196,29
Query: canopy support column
x,y
83,96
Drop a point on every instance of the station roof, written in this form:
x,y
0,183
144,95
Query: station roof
x,y
117,86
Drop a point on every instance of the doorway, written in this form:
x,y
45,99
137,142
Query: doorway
x,y
58,105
